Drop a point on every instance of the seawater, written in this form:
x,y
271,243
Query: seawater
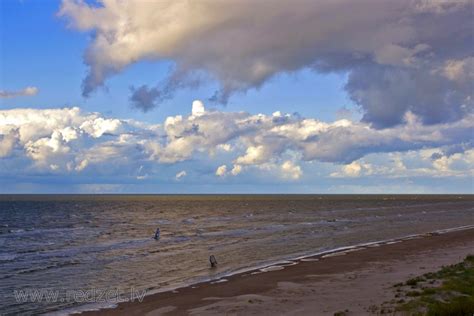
x,y
84,242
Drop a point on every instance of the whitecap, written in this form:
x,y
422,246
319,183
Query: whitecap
x,y
272,268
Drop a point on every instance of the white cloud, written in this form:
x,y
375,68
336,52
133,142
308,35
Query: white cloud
x,y
400,55
28,91
461,70
290,170
141,174
99,126
225,147
354,169
254,155
198,108
411,164
65,139
7,142
236,170
71,141
221,171
180,174
82,165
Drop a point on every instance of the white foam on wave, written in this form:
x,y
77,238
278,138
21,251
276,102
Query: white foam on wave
x,y
356,247
272,268
335,254
219,281
91,307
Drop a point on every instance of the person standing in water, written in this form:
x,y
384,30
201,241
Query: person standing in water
x,y
213,261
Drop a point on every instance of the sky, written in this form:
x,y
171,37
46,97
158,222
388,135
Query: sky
x,y
113,96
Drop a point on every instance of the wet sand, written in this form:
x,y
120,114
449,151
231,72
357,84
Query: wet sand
x,y
357,280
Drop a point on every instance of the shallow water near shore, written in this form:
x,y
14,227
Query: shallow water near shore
x,y
106,241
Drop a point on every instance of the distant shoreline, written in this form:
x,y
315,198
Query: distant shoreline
x,y
240,194
312,272
116,196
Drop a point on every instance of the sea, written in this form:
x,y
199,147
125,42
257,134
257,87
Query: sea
x,y
76,250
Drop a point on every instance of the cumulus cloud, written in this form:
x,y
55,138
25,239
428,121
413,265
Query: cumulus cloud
x,y
197,108
255,155
70,141
461,70
60,139
290,170
354,169
28,91
411,164
221,171
236,170
7,142
401,56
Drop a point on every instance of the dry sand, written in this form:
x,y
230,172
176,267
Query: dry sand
x,y
356,281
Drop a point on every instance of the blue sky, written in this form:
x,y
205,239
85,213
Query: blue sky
x,y
349,105
38,45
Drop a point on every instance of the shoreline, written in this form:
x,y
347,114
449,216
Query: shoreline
x,y
267,278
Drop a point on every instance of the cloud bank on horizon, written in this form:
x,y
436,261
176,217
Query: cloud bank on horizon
x,y
70,142
406,56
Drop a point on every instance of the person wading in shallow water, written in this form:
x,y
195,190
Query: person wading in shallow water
x,y
213,261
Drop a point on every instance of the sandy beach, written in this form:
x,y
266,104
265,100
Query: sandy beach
x,y
357,281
